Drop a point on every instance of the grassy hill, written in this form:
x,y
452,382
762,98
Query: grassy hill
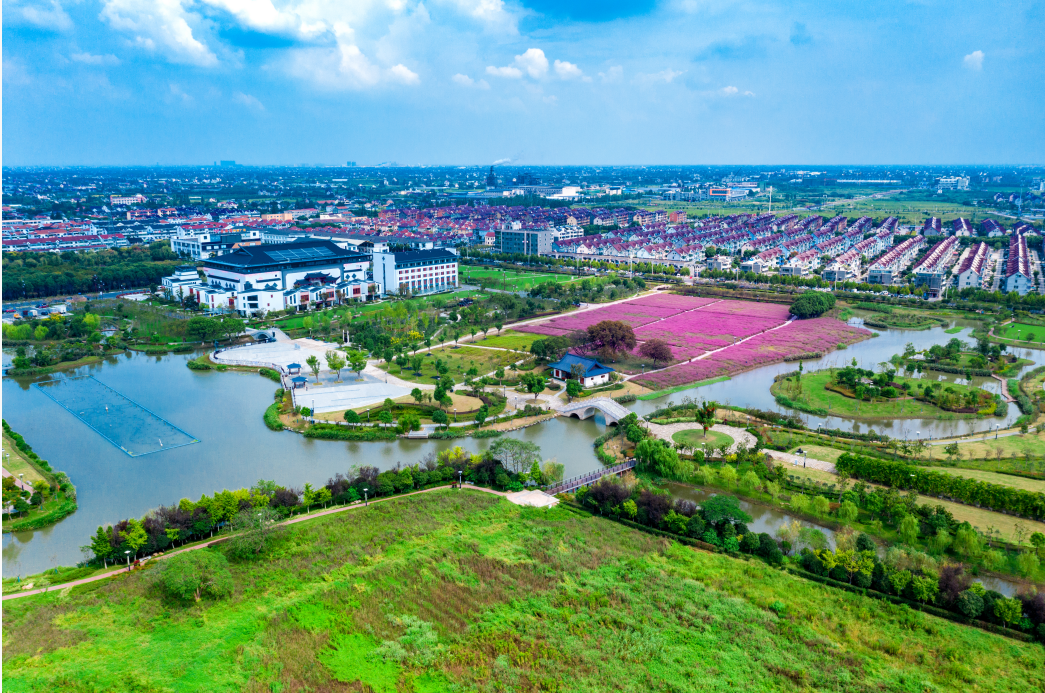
x,y
456,590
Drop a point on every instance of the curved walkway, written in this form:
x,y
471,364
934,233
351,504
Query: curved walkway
x,y
739,435
301,518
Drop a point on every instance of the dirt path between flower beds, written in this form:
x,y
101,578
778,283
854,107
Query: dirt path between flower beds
x,y
301,518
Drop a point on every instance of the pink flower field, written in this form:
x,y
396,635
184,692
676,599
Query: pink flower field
x,y
704,329
799,337
679,303
634,315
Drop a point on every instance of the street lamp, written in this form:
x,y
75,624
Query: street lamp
x,y
455,414
128,554
460,480
366,498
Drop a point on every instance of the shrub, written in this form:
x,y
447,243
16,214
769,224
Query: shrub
x,y
970,603
194,574
272,417
270,374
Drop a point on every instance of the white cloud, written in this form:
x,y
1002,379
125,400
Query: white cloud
x,y
534,62
729,91
160,25
508,71
88,59
402,73
492,13
466,81
343,67
177,93
249,101
612,75
44,15
749,93
567,70
666,76
974,60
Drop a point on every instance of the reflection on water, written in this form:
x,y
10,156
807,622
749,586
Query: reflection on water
x,y
224,410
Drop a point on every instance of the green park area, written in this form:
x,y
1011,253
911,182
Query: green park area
x,y
1021,332
812,394
52,496
695,439
509,279
458,363
461,590
509,339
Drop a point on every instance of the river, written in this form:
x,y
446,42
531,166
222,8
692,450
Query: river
x,y
224,411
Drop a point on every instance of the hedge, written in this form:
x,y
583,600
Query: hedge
x,y
332,432
270,374
959,488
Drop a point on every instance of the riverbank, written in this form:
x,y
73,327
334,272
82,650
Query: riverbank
x,y
36,494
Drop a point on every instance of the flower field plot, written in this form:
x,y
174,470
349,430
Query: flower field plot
x,y
706,330
680,303
634,315
769,311
800,337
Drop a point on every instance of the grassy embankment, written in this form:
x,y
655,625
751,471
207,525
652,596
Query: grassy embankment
x,y
815,396
56,505
511,280
978,517
450,588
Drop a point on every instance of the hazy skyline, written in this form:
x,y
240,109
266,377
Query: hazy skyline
x,y
473,81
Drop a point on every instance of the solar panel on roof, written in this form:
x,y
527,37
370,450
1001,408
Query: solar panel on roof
x,y
291,254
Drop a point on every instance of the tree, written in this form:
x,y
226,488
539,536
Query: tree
x,y
254,529
721,508
102,546
908,529
706,416
573,389
534,383
409,422
480,416
439,416
1007,610
656,349
357,361
351,417
812,304
416,362
135,536
417,394
313,364
847,512
193,574
515,455
308,323
611,337
335,362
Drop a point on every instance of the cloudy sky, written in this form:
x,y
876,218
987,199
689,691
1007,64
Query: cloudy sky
x,y
537,81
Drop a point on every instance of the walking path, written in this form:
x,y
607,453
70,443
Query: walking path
x,y
800,461
739,435
19,483
301,518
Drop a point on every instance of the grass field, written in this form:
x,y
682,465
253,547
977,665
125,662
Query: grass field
x,y
815,395
460,360
998,449
819,452
509,339
694,438
464,591
16,463
511,280
1033,485
1023,332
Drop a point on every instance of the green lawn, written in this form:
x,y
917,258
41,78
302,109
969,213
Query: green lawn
x,y
509,339
16,463
1021,331
1033,485
511,280
696,439
459,360
815,395
464,591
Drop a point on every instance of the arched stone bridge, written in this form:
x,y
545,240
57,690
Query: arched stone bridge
x,y
586,409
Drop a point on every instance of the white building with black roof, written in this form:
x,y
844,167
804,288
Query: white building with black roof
x,y
416,272
302,275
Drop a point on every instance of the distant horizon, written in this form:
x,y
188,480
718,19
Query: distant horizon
x,y
239,164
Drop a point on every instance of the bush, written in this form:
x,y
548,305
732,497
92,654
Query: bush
x,y
194,574
272,417
270,374
332,432
812,304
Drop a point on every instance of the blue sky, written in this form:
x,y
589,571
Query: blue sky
x,y
540,82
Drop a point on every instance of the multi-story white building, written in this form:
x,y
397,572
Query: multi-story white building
x,y
415,272
183,276
207,245
1017,269
289,276
127,199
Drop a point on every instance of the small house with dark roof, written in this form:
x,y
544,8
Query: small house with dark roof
x,y
594,372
